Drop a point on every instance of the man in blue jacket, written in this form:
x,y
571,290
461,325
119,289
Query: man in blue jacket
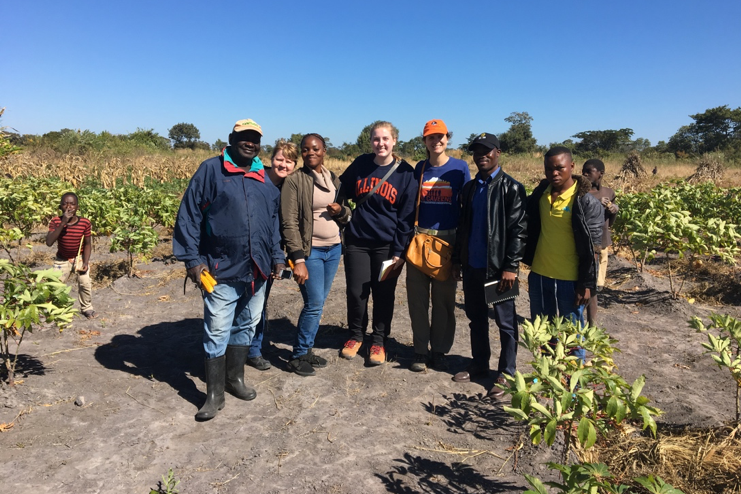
x,y
228,225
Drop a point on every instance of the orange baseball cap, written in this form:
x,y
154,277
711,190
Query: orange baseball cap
x,y
435,127
247,124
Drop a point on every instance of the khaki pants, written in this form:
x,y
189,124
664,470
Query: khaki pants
x,y
602,274
84,283
435,331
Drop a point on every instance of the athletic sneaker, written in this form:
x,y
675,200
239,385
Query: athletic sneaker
x,y
351,349
420,363
377,355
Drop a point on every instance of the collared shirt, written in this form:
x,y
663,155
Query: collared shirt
x,y
555,255
256,171
479,234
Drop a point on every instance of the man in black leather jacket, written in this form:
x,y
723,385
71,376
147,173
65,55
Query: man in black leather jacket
x,y
489,245
564,228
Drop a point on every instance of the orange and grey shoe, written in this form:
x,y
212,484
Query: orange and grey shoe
x,y
350,349
377,355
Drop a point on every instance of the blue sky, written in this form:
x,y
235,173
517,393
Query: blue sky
x,y
333,67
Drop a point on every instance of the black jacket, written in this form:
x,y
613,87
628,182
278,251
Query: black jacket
x,y
587,219
507,228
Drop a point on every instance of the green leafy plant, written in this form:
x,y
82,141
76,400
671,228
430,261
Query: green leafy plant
x,y
168,484
655,485
593,478
560,393
134,235
27,299
725,348
679,220
26,205
6,146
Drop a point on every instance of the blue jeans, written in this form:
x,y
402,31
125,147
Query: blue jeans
x,y
550,297
262,326
322,266
230,314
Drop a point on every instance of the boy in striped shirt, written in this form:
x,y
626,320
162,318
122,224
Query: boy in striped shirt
x,y
72,234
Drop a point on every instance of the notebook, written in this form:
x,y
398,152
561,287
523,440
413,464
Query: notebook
x,y
493,297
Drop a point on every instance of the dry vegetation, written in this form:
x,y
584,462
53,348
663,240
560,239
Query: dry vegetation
x,y
695,461
182,164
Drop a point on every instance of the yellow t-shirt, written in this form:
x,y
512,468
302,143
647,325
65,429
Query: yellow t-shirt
x,y
555,255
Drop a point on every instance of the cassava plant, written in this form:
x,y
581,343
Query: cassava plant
x,y
28,299
593,478
679,220
725,347
561,393
134,234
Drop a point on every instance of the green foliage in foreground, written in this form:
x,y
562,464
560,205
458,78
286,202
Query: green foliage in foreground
x,y
593,478
560,393
28,299
725,348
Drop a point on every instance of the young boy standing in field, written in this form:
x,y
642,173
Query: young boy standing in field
x,y
72,234
564,223
594,170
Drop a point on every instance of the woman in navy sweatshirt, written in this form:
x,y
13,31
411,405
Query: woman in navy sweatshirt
x,y
380,230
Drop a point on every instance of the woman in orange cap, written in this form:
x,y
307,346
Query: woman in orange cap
x,y
441,178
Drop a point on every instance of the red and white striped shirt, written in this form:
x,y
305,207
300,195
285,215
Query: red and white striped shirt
x,y
69,240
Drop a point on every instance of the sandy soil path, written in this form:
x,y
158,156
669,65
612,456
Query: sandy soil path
x,y
351,428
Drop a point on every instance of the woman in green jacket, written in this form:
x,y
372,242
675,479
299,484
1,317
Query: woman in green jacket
x,y
311,222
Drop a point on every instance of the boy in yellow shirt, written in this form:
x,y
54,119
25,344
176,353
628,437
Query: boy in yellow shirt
x,y
564,231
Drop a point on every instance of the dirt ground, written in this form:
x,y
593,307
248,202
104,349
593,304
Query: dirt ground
x,y
108,404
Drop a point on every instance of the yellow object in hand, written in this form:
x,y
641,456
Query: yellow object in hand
x,y
207,281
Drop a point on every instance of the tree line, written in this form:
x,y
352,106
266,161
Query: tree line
x,y
715,130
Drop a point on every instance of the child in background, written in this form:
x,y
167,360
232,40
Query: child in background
x,y
594,170
72,234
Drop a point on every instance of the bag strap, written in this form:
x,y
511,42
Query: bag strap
x,y
385,177
74,263
419,194
82,241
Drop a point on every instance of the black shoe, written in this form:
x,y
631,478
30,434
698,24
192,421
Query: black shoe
x,y
215,371
495,391
440,361
235,360
420,363
258,363
315,360
301,366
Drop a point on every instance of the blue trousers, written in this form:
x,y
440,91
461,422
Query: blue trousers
x,y
230,314
322,265
551,297
262,326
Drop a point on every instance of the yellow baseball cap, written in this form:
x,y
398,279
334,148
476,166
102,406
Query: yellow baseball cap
x,y
247,124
